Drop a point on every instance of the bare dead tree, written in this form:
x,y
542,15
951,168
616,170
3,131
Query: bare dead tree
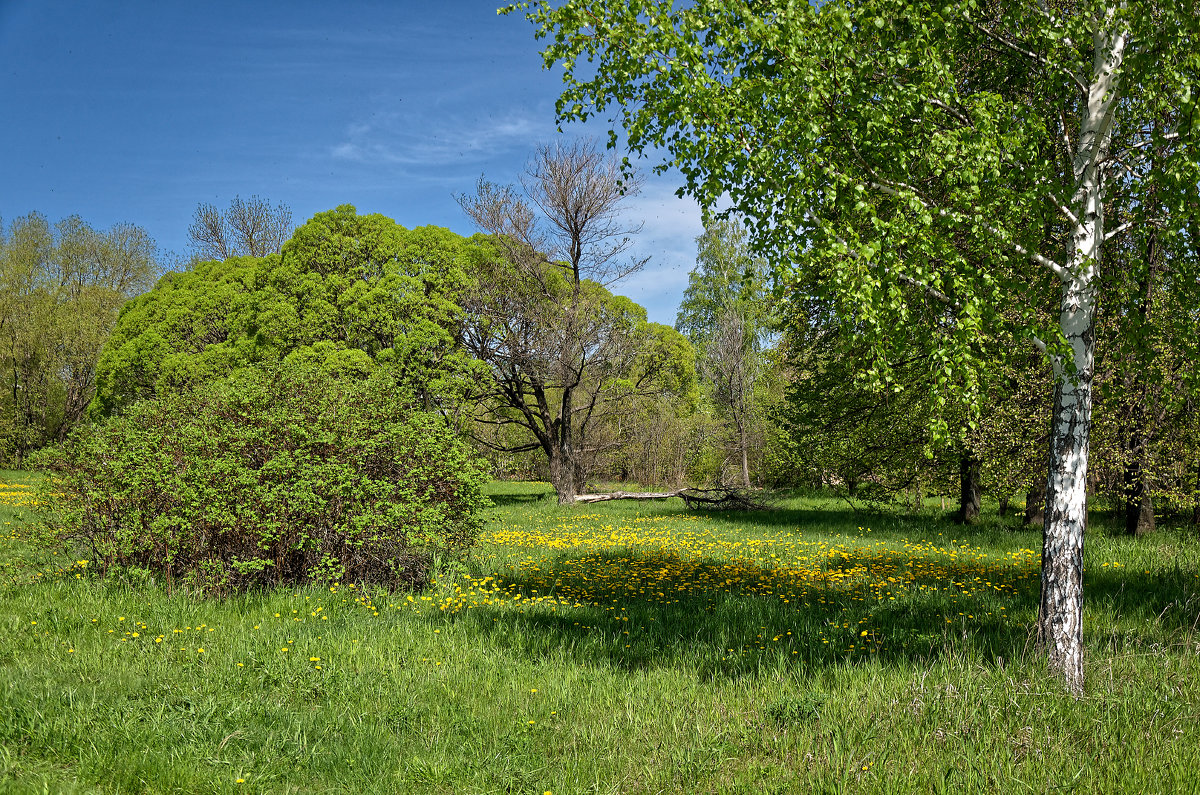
x,y
208,236
248,228
580,191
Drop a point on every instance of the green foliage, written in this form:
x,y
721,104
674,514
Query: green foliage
x,y
725,314
348,292
727,278
570,362
61,287
894,155
269,478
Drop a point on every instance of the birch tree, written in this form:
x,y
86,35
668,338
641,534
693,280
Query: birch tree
x,y
724,315
963,148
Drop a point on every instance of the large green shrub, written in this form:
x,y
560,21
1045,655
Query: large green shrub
x,y
347,289
268,478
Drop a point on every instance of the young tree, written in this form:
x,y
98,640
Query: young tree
x,y
898,144
724,315
564,353
248,228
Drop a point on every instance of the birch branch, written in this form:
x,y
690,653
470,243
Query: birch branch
x,y
1034,56
1054,267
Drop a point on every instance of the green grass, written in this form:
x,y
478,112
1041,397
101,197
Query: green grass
x,y
618,647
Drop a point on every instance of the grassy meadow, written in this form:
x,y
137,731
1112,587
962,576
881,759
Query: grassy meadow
x,y
614,648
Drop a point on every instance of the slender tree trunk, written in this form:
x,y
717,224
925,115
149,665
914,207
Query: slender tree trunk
x,y
1196,497
1004,502
969,498
1035,502
745,459
1138,504
1060,614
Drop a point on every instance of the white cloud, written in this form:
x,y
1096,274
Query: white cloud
x,y
668,237
428,140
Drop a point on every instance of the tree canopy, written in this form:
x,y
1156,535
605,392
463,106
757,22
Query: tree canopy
x,y
61,287
564,355
348,292
959,152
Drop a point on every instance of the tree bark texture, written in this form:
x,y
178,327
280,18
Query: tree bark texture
x,y
969,495
1035,504
562,473
1060,614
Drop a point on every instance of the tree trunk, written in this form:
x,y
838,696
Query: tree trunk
x,y
1196,497
969,491
1035,502
745,461
1060,613
1138,504
562,477
1004,501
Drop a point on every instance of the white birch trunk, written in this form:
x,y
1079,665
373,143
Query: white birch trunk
x,y
1060,618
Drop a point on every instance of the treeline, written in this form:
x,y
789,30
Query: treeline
x,y
515,340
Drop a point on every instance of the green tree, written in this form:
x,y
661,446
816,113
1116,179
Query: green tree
x,y
61,288
565,355
348,292
724,315
925,145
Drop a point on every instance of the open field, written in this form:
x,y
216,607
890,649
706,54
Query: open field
x,y
615,647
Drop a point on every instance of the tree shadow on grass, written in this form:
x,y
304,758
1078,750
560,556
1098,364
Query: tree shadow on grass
x,y
733,619
840,520
516,499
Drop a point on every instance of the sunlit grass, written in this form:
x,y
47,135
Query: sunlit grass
x,y
616,648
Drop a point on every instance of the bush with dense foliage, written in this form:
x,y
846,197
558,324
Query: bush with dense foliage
x,y
349,291
269,477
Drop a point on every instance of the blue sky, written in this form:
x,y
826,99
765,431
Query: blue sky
x,y
137,111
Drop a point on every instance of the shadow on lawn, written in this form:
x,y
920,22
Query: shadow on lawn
x,y
731,632
738,633
518,498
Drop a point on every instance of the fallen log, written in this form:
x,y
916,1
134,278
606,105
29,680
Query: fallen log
x,y
709,499
628,495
